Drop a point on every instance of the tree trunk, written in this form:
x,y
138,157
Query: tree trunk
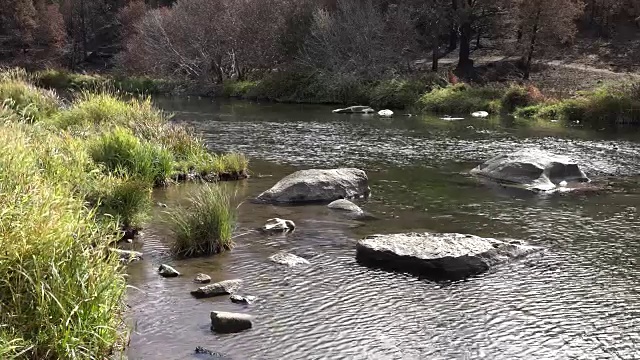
x,y
465,64
83,30
453,33
527,67
434,58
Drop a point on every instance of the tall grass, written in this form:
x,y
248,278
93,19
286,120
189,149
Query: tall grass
x,y
123,153
69,179
60,294
205,226
30,103
63,80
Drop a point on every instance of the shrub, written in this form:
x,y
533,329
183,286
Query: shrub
x,y
602,108
205,226
233,88
517,96
400,94
287,86
123,153
459,99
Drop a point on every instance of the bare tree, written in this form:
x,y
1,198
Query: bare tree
x,y
544,22
357,38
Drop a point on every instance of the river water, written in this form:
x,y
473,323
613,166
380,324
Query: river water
x,y
579,299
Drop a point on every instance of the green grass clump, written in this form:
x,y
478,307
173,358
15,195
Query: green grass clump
x,y
232,88
96,109
121,152
30,103
401,93
205,226
60,294
459,99
126,201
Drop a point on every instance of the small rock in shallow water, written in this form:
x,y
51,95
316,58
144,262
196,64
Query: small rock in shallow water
x,y
127,256
201,350
227,322
346,206
284,258
225,287
167,271
279,225
202,278
242,299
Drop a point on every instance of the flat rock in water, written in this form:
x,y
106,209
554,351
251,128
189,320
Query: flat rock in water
x,y
533,169
284,258
127,256
438,256
202,278
347,206
225,287
167,271
354,110
246,300
278,225
316,185
228,322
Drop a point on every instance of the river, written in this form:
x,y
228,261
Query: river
x,y
579,299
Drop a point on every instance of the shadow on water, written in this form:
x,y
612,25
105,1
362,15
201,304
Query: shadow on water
x,y
578,300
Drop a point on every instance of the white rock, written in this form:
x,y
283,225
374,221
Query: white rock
x,y
385,112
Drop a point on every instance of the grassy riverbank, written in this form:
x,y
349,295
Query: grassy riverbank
x,y
68,81
604,107
70,178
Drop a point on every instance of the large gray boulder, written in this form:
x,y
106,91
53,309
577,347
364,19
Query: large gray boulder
x,y
359,109
225,287
316,185
533,169
228,322
438,256
347,207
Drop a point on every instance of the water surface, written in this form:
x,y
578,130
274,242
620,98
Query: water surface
x,y
580,299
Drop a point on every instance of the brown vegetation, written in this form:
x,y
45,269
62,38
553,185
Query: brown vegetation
x,y
206,42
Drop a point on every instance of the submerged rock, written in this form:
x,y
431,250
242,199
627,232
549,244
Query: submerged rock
x,y
228,322
318,185
438,256
225,287
202,278
385,112
167,271
354,110
127,256
346,206
278,225
534,169
246,300
213,354
284,258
